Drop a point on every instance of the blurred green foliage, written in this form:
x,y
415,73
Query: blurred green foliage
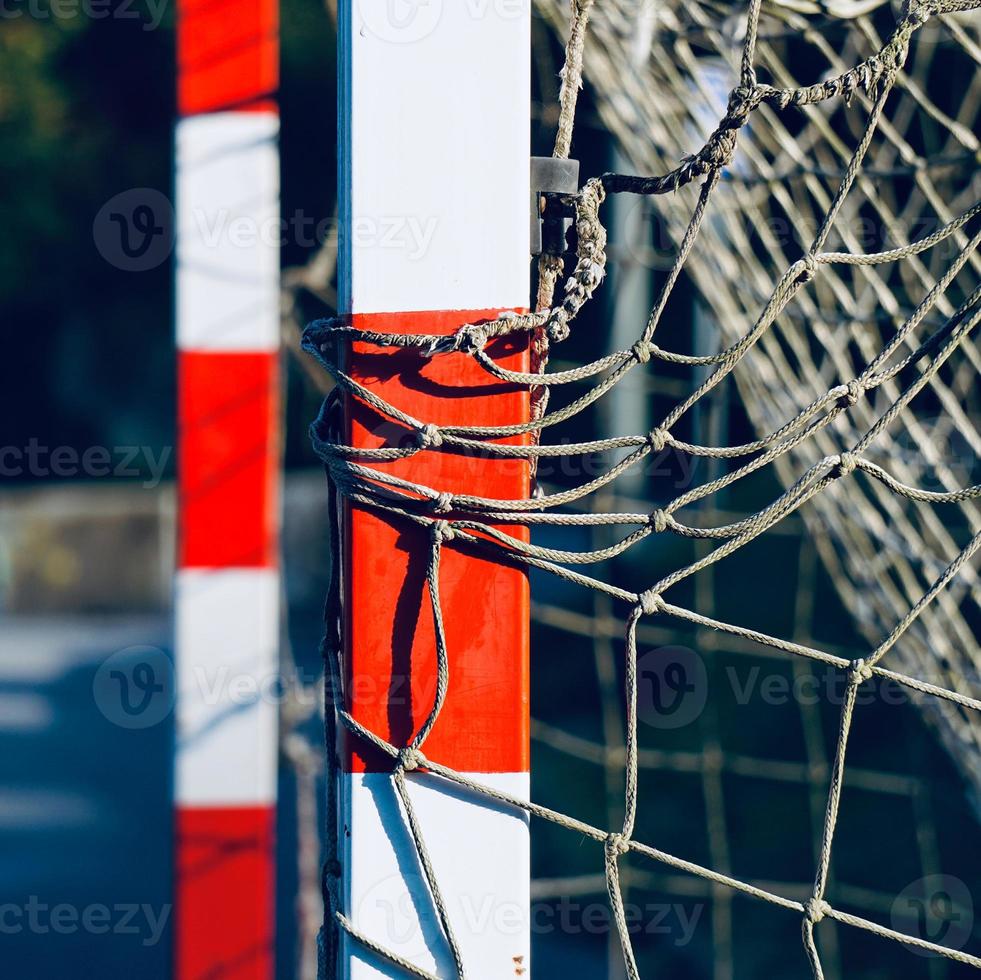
x,y
87,109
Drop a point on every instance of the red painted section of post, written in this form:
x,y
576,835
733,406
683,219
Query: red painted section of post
x,y
227,55
225,923
390,637
228,457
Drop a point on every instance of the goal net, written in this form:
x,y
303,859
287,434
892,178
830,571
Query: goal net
x,y
815,182
661,72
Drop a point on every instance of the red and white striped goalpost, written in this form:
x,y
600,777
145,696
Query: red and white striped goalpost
x,y
227,587
434,201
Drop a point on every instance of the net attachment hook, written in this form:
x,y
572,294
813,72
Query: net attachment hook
x,y
553,180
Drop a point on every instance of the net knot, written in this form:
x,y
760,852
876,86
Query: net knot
x,y
332,868
860,671
815,909
641,351
651,602
805,269
616,844
443,531
848,395
658,520
846,464
743,99
657,439
443,502
409,759
429,437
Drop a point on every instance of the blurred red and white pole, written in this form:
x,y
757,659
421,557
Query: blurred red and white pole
x,y
227,587
434,194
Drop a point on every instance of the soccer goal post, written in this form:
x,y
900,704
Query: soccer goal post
x,y
434,195
433,425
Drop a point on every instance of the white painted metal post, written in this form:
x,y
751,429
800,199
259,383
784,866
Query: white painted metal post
x,y
434,188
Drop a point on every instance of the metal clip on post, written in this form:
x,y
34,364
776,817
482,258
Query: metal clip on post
x,y
552,179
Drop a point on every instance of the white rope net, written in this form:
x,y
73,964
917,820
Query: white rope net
x,y
849,360
922,171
